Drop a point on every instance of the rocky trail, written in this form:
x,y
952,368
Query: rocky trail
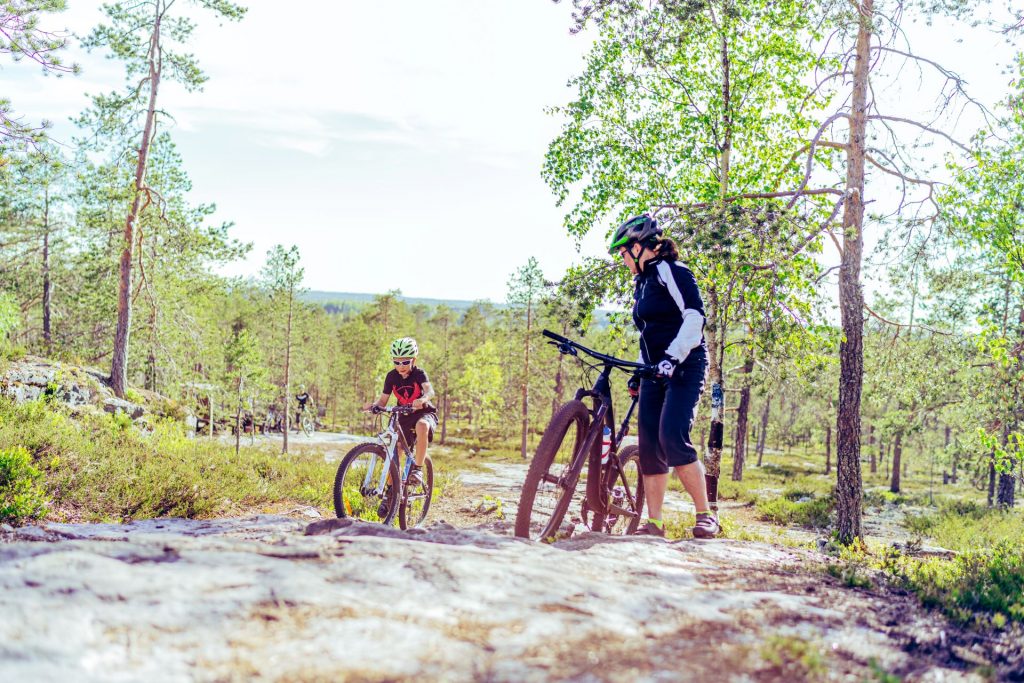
x,y
275,598
286,598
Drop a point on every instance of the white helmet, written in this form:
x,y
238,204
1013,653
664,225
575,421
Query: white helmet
x,y
406,347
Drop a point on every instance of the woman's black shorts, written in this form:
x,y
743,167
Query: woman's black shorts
x,y
667,409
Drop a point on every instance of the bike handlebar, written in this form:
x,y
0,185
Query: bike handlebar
x,y
568,346
401,410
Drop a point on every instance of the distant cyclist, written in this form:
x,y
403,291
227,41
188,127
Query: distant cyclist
x,y
669,313
302,397
411,387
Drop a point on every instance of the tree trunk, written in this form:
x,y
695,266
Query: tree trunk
x,y
871,443
287,371
762,434
445,405
1006,489
151,369
238,417
851,301
47,284
991,479
897,454
119,362
526,378
742,412
713,457
557,399
828,448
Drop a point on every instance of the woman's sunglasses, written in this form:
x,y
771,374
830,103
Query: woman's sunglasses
x,y
403,362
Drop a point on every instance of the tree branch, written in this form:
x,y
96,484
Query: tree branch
x,y
918,124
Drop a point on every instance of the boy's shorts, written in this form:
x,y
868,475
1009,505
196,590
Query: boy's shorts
x,y
408,424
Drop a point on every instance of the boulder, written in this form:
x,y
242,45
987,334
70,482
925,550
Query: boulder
x,y
119,405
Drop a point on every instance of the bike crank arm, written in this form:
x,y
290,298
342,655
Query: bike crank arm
x,y
615,510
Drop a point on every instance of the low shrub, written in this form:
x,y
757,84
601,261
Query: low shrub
x,y
22,498
965,525
982,588
794,507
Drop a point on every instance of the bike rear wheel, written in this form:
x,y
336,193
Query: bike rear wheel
x,y
554,474
353,498
307,424
624,494
416,498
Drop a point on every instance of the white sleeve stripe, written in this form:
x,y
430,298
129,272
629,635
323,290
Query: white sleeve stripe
x,y
693,322
665,273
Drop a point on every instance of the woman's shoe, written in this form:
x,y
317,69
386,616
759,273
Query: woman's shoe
x,y
707,526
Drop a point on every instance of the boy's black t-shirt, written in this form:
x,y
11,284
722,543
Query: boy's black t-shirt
x,y
408,389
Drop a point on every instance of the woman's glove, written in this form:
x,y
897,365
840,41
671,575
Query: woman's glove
x,y
666,367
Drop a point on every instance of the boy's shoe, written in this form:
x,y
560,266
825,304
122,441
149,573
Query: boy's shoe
x,y
707,526
384,508
415,477
650,529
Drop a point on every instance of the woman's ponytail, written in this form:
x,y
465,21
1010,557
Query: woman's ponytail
x,y
667,249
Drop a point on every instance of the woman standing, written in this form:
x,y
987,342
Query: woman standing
x,y
669,313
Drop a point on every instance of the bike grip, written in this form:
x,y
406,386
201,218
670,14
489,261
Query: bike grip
x,y
557,337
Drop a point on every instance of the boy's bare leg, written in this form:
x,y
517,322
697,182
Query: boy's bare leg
x,y
422,436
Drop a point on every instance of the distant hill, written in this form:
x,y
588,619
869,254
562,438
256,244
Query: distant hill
x,y
346,302
341,302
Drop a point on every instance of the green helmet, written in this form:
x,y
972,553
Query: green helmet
x,y
637,229
406,347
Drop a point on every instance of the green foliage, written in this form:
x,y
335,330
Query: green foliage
x,y
23,37
22,498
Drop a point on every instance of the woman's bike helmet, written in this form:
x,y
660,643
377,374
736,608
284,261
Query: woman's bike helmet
x,y
640,229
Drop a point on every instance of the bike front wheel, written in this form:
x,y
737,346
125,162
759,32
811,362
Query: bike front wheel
x,y
308,428
551,481
357,485
416,497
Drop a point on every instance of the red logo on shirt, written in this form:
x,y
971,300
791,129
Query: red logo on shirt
x,y
407,394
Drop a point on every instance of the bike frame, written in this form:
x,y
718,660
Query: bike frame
x,y
391,438
602,413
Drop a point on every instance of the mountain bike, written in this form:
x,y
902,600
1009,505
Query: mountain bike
x,y
306,421
614,497
368,486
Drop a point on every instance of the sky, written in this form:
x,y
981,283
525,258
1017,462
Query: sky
x,y
398,144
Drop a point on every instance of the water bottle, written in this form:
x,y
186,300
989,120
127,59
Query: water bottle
x,y
606,445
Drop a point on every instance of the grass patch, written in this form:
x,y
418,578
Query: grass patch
x,y
795,659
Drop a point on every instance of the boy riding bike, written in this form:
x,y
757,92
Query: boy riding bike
x,y
411,387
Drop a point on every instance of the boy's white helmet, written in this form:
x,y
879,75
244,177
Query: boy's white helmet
x,y
406,347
